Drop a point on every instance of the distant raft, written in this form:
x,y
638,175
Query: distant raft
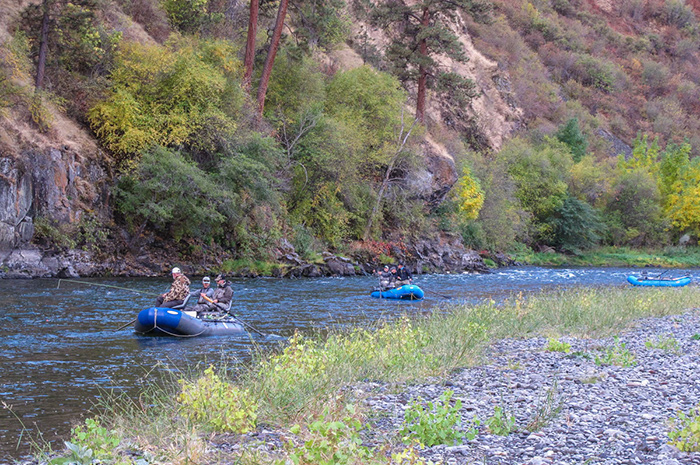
x,y
406,292
659,282
157,321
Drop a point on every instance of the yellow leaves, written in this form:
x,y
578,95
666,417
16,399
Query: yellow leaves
x,y
470,196
683,204
218,404
165,95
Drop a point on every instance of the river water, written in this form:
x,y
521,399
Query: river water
x,y
61,347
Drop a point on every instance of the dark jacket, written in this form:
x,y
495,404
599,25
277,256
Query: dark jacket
x,y
404,274
223,295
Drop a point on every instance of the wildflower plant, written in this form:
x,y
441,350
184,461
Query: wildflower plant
x,y
502,423
554,345
618,355
685,433
95,437
665,343
436,423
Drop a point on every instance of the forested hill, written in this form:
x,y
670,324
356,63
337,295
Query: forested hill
x,y
222,133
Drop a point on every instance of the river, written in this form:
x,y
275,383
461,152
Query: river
x,y
61,347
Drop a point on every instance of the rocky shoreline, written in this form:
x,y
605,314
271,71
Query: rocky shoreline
x,y
610,415
444,254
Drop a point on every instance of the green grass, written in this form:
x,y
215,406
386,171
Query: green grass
x,y
309,378
669,257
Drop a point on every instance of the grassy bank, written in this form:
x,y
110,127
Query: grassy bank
x,y
303,391
669,257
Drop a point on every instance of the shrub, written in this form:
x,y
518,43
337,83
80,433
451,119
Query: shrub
x,y
330,443
470,196
553,345
635,202
685,434
501,423
618,355
683,208
666,343
173,196
595,72
577,226
183,94
190,16
433,424
539,172
218,404
92,435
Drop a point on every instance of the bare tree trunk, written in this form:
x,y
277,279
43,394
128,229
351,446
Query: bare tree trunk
x,y
43,45
250,43
422,73
400,144
269,61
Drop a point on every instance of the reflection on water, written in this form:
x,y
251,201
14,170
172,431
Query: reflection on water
x,y
60,351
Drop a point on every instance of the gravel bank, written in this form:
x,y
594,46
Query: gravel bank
x,y
609,414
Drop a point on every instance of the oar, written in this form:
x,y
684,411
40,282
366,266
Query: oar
x,y
103,285
439,295
124,326
662,274
237,319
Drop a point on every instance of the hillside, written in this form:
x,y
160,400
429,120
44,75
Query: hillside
x,y
111,167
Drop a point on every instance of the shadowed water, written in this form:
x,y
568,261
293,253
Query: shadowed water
x,y
60,348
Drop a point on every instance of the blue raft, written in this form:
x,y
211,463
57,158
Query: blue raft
x,y
668,282
156,321
406,292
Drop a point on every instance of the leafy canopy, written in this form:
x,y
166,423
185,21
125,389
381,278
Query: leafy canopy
x,y
185,93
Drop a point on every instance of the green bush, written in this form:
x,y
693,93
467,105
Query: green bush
x,y
436,423
185,93
540,173
330,443
501,423
218,404
577,226
172,195
554,345
92,435
618,355
685,434
635,204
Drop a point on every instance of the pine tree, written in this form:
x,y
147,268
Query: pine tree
x,y
420,32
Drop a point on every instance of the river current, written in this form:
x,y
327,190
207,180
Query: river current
x,y
61,347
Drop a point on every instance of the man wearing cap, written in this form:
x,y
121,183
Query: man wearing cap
x,y
178,292
403,275
221,299
386,279
206,292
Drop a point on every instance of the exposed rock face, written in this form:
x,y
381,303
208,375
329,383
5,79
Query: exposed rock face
x,y
56,184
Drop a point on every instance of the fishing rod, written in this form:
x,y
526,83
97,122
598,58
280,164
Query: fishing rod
x,y
103,285
439,295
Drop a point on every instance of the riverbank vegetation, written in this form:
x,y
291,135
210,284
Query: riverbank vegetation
x,y
336,155
304,390
668,257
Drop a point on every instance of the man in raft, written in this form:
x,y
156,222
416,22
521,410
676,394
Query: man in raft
x,y
179,290
403,275
205,295
219,302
